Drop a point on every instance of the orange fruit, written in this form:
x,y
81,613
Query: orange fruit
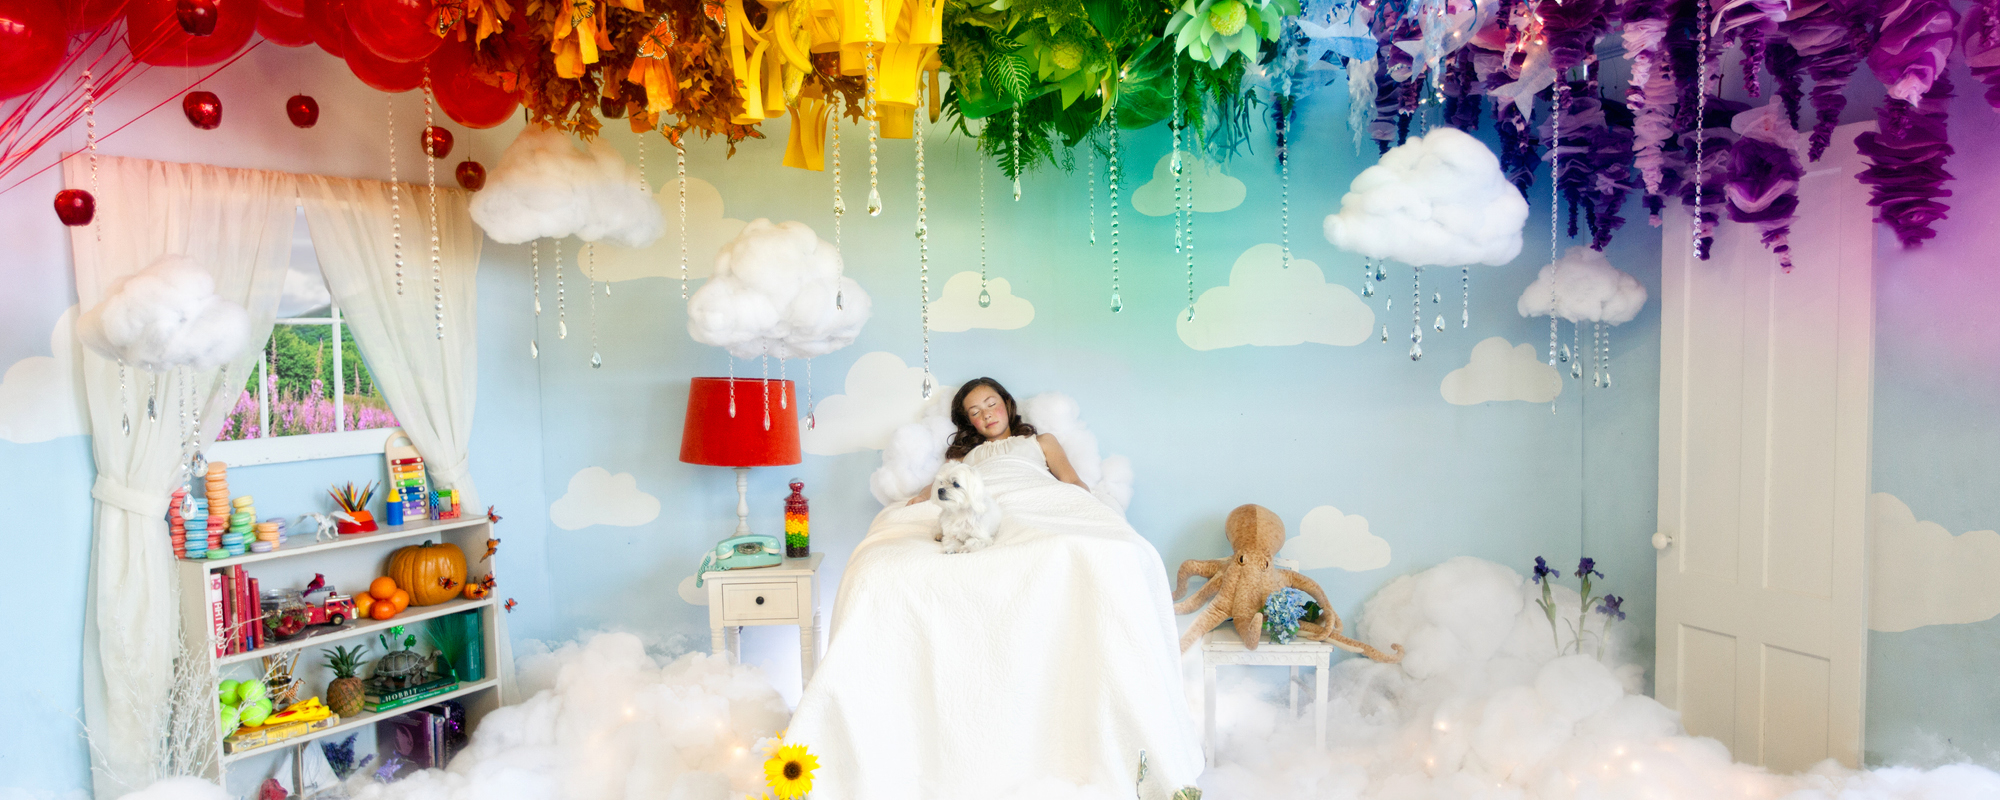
x,y
382,588
362,603
401,599
382,610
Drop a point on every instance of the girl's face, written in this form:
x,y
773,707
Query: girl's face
x,y
987,411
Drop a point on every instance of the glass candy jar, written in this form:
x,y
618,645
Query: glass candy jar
x,y
798,540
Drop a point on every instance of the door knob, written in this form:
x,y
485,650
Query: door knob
x,y
1662,540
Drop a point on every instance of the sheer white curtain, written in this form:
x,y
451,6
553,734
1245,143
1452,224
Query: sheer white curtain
x,y
428,380
237,224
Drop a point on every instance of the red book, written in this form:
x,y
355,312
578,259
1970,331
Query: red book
x,y
256,616
215,616
228,612
242,609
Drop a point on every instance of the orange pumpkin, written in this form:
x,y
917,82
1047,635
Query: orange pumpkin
x,y
417,569
475,591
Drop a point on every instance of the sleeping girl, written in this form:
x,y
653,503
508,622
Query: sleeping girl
x,y
990,426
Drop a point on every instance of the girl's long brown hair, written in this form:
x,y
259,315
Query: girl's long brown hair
x,y
968,437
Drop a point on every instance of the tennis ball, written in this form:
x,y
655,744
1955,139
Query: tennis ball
x,y
230,720
256,713
229,692
251,691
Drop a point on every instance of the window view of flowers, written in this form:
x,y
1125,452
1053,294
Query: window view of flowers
x,y
312,380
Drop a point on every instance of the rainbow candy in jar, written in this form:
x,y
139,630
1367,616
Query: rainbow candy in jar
x,y
798,542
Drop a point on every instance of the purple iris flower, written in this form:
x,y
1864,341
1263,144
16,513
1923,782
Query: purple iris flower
x,y
1588,566
1543,570
1610,606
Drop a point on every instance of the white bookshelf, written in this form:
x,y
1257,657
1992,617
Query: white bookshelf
x,y
349,562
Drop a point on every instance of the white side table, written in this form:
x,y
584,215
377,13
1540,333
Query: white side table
x,y
1222,646
784,594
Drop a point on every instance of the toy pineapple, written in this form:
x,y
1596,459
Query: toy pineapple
x,y
343,695
798,542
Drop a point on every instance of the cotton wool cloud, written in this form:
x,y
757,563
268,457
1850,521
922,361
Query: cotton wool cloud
x,y
166,316
1583,287
545,187
779,291
1437,200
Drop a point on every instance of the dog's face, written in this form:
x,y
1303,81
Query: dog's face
x,y
957,486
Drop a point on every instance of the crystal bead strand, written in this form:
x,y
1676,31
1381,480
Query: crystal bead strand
x,y
985,298
1285,181
1700,124
431,179
766,384
874,132
535,259
1465,310
923,245
839,213
1117,304
124,400
395,200
90,143
562,316
1368,278
1574,353
1416,313
1606,335
1090,172
784,403
732,383
1014,148
812,414
681,180
1174,158
1555,202
590,272
1188,241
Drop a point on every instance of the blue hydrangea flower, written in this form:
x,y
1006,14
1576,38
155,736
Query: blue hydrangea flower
x,y
1282,611
1543,570
1610,606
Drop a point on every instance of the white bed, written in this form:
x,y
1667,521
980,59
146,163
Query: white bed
x,y
1049,658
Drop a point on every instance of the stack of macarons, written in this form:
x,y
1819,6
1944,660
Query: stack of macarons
x,y
242,522
195,540
177,524
218,504
269,533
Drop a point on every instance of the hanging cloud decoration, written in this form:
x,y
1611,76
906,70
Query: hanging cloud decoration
x,y
166,316
545,187
774,294
1437,200
1586,289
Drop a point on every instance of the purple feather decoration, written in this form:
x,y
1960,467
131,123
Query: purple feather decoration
x,y
1785,65
1651,92
1763,177
1572,28
1979,42
1911,51
1595,162
1749,23
1906,164
1831,41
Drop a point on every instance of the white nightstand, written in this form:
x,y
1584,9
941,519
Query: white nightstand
x,y
784,594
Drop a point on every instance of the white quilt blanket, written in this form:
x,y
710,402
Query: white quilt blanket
x,y
1049,658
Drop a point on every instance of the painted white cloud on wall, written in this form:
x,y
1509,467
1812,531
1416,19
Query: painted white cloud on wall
x,y
1329,539
708,229
39,397
1269,304
1214,190
597,497
1500,371
882,393
1920,574
957,307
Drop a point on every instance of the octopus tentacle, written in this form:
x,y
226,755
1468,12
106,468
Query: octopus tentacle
x,y
1332,636
1208,619
1202,595
1311,588
1196,567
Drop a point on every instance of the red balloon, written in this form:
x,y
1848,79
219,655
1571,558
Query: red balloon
x,y
463,97
75,207
277,28
157,37
203,109
197,17
303,110
471,175
85,16
328,21
396,30
33,36
289,8
379,73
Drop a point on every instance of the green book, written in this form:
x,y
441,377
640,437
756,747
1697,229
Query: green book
x,y
374,694
447,688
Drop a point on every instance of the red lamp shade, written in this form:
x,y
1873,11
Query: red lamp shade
x,y
714,438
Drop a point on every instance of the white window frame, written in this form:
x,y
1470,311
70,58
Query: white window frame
x,y
269,449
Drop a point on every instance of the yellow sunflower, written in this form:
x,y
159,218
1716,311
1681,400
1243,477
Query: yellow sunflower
x,y
789,772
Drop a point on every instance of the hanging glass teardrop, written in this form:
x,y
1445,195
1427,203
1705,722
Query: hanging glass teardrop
x,y
1439,324
607,288
153,407
1576,370
1465,318
812,421
1385,334
538,306
985,299
1607,379
562,329
1416,352
1117,304
125,423
534,350
596,361
874,202
1435,297
1190,316
928,386
1389,304
1368,290
1381,274
1565,353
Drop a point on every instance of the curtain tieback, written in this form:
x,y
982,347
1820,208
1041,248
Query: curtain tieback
x,y
451,476
119,495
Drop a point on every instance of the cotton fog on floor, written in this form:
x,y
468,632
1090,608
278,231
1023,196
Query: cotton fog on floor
x,y
1482,708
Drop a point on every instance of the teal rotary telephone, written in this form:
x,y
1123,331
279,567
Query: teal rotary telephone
x,y
742,552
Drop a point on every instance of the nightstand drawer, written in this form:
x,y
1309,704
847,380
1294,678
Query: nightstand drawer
x,y
759,601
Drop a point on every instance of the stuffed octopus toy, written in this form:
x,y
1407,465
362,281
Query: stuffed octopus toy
x,y
1242,582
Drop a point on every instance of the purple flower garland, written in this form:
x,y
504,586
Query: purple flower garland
x,y
1907,153
1831,41
1763,179
1979,41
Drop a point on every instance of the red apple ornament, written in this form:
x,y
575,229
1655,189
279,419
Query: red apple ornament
x,y
303,110
471,175
203,109
157,36
437,142
197,16
75,207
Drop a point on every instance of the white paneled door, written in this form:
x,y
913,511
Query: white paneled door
x,y
1766,381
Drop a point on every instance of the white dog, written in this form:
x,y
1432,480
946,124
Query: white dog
x,y
969,518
